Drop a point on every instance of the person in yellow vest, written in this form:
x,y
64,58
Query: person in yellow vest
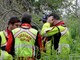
x,y
65,40
4,54
48,39
26,38
60,36
5,42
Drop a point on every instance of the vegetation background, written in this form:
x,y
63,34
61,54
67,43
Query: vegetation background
x,y
69,10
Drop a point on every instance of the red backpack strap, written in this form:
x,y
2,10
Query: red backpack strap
x,y
10,44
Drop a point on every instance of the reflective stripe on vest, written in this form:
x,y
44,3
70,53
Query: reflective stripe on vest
x,y
23,30
25,46
61,46
2,55
17,46
63,32
3,44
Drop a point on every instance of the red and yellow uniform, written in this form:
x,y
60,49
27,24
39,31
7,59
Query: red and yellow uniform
x,y
65,39
25,38
4,54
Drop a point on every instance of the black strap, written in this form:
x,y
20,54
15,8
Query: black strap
x,y
36,41
58,29
56,39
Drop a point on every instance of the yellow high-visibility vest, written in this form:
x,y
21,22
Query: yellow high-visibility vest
x,y
65,39
24,42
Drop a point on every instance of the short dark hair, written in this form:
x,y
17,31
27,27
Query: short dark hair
x,y
26,18
55,16
13,20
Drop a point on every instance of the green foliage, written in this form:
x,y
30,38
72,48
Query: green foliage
x,y
21,6
74,26
36,21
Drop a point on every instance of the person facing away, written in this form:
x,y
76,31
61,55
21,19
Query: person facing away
x,y
5,42
53,26
26,38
